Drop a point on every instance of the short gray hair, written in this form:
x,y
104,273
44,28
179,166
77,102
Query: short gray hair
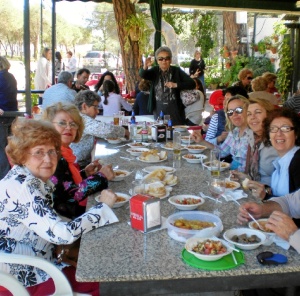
x,y
163,49
86,96
64,77
4,63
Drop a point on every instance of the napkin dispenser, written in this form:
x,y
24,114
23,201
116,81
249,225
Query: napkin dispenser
x,y
145,213
159,132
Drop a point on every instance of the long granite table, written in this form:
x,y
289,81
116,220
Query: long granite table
x,y
128,262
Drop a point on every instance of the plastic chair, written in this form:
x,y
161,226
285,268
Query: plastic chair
x,y
62,286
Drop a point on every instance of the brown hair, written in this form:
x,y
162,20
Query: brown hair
x,y
29,133
144,85
269,76
243,73
259,84
72,110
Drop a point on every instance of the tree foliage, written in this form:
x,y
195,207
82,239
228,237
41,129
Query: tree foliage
x,y
177,19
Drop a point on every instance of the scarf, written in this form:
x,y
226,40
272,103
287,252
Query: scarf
x,y
68,155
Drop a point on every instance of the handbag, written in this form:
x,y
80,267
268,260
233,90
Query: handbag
x,y
189,96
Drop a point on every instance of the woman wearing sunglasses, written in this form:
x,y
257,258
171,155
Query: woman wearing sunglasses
x,y
281,128
167,82
245,77
239,135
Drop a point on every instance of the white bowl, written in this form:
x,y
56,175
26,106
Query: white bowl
x,y
228,235
120,177
192,242
253,225
187,140
232,185
186,207
196,148
224,165
181,234
121,203
138,145
196,158
114,140
136,151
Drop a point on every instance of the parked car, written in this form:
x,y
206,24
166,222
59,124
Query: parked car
x,y
95,60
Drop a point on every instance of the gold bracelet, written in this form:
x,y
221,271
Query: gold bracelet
x,y
60,255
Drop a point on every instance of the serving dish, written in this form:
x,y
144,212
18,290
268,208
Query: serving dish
x,y
194,158
221,246
186,202
135,151
231,233
196,148
181,234
120,175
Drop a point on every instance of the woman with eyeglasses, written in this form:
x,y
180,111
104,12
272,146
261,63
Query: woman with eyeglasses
x,y
167,82
239,135
87,102
28,223
281,128
245,77
72,187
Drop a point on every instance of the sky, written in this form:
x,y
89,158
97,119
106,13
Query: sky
x,y
73,12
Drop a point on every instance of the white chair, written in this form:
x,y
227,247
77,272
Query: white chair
x,y
62,286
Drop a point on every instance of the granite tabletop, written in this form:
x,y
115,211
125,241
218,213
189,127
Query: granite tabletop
x,y
125,260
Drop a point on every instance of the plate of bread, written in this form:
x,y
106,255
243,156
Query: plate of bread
x,y
157,189
168,170
153,156
160,175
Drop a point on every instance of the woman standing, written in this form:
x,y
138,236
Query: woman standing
x,y
197,67
112,102
43,74
28,223
59,65
167,82
72,186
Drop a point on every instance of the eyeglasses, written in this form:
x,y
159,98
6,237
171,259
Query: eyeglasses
x,y
40,154
164,59
95,107
237,110
64,124
249,78
284,129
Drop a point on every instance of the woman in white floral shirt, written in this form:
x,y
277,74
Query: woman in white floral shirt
x,y
28,223
87,102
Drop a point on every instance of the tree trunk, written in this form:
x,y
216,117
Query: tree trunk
x,y
231,30
131,59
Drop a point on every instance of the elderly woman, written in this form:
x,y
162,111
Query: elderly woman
x,y
106,76
260,153
245,76
239,135
8,102
281,128
260,86
28,223
197,67
167,82
87,102
72,186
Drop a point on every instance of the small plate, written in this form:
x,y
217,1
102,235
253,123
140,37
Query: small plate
x,y
194,158
150,169
120,175
232,185
120,203
224,165
171,148
113,140
139,145
186,207
136,151
168,191
161,160
196,148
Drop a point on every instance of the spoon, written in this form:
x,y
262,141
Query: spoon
x,y
254,220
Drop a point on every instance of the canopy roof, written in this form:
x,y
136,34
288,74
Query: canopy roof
x,y
276,6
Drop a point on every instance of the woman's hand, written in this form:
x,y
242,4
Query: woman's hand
x,y
222,137
282,224
148,63
258,189
253,208
107,171
171,84
196,136
92,168
108,197
238,176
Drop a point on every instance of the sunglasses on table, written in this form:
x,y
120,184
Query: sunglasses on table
x,y
237,110
284,129
164,59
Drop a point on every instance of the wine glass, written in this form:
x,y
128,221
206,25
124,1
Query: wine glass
x,y
217,188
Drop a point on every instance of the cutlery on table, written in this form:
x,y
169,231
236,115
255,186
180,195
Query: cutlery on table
x,y
254,220
208,197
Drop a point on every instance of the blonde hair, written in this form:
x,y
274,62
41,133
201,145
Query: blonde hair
x,y
270,77
4,63
259,84
72,110
29,133
243,73
229,126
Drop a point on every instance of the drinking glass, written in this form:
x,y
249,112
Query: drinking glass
x,y
116,119
214,162
217,188
176,149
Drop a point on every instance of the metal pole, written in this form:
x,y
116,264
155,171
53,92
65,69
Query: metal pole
x,y
53,40
41,25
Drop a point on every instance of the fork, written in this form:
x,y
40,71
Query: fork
x,y
254,220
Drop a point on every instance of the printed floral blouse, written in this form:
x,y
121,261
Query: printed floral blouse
x,y
30,226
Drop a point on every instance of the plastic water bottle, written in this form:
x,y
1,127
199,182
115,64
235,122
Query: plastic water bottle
x,y
144,132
